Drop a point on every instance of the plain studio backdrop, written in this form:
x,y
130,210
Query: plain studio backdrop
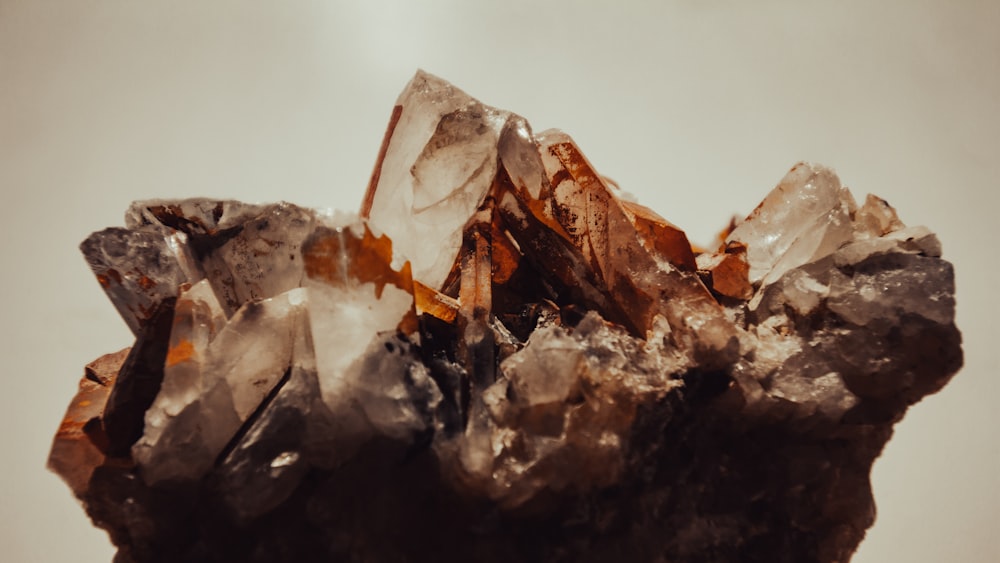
x,y
696,107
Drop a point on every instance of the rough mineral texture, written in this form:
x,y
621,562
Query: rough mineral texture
x,y
502,358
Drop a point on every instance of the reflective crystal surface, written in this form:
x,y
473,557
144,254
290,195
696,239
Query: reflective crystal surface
x,y
501,358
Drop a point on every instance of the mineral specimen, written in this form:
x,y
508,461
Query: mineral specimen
x,y
502,359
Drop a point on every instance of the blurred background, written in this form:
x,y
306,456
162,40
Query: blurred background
x,y
697,108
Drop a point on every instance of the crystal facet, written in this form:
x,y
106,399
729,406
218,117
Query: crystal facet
x,y
502,358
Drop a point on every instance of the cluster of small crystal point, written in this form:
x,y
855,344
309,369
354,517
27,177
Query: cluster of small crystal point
x,y
502,358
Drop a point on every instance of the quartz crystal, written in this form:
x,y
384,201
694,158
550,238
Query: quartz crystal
x,y
502,358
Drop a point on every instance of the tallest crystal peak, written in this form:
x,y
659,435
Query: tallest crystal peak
x,y
437,163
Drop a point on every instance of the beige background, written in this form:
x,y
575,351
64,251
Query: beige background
x,y
697,107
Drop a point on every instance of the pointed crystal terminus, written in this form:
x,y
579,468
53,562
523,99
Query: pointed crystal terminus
x,y
502,358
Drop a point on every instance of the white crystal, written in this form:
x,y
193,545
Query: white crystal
x,y
876,218
439,164
805,217
214,379
344,321
263,259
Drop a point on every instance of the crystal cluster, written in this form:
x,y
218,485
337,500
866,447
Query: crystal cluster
x,y
502,358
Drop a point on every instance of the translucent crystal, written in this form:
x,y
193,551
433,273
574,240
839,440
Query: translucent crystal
x,y
212,383
139,268
438,162
807,216
502,358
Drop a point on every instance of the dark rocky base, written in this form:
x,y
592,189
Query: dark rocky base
x,y
702,486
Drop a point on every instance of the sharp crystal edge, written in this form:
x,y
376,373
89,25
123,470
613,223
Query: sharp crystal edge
x,y
502,359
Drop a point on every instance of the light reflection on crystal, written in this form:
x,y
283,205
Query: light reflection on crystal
x,y
502,347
